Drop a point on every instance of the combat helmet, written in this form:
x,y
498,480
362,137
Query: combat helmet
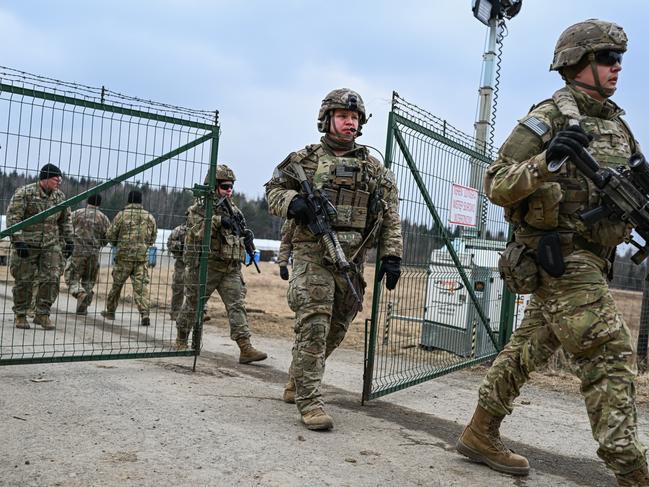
x,y
584,39
224,173
345,99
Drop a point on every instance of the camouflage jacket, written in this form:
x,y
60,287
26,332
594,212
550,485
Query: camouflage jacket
x,y
226,248
30,200
133,231
536,201
90,227
380,212
176,241
285,246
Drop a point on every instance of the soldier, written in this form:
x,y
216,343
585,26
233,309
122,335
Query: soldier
x,y
37,252
176,245
90,227
364,194
226,253
571,306
285,248
132,232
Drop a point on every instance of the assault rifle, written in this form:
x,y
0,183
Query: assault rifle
x,y
240,230
324,211
624,192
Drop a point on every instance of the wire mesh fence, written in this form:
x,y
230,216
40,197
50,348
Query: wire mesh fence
x,y
105,144
450,309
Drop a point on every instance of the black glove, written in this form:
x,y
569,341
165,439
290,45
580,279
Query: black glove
x,y
283,272
226,222
22,249
248,237
68,249
570,142
391,267
300,211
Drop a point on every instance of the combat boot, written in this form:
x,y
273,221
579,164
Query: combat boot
x,y
480,441
289,391
181,340
248,352
636,478
317,419
44,321
21,322
109,315
146,321
82,307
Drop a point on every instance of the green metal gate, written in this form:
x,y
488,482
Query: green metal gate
x,y
107,143
450,309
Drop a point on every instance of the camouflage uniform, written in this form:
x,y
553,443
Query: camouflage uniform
x,y
132,231
576,310
285,246
367,205
90,227
223,272
45,261
176,245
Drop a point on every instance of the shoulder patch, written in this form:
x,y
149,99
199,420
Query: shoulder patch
x,y
536,125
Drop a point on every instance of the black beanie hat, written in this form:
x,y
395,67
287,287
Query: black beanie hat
x,y
95,200
50,171
135,196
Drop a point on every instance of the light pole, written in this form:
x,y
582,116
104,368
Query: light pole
x,y
492,13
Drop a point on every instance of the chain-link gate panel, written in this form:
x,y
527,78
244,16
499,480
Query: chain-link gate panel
x,y
450,309
112,297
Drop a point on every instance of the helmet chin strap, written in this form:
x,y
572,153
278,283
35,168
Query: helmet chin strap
x,y
604,92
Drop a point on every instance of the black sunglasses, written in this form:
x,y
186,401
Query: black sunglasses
x,y
608,58
226,186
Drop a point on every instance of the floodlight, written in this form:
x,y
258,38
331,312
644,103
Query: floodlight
x,y
487,10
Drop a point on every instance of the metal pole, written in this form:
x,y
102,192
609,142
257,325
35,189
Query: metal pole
x,y
643,333
483,122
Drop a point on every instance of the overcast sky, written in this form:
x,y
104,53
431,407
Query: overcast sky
x,y
266,65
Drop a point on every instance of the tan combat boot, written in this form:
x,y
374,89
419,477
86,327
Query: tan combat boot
x,y
44,321
248,352
317,419
21,322
636,478
181,340
82,306
480,441
289,391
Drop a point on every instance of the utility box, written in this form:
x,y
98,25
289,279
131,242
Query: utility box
x,y
451,321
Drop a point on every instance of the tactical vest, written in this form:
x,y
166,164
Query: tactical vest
x,y
349,186
225,245
556,205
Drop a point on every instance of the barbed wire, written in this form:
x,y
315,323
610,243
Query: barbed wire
x,y
101,95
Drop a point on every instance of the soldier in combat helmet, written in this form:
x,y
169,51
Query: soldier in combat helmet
x,y
364,195
226,253
571,305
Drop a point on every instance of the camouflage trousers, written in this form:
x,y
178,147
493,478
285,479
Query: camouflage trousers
x,y
227,281
43,266
81,273
324,307
177,287
577,312
139,274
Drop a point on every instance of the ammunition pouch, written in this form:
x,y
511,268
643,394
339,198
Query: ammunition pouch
x,y
543,207
518,269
